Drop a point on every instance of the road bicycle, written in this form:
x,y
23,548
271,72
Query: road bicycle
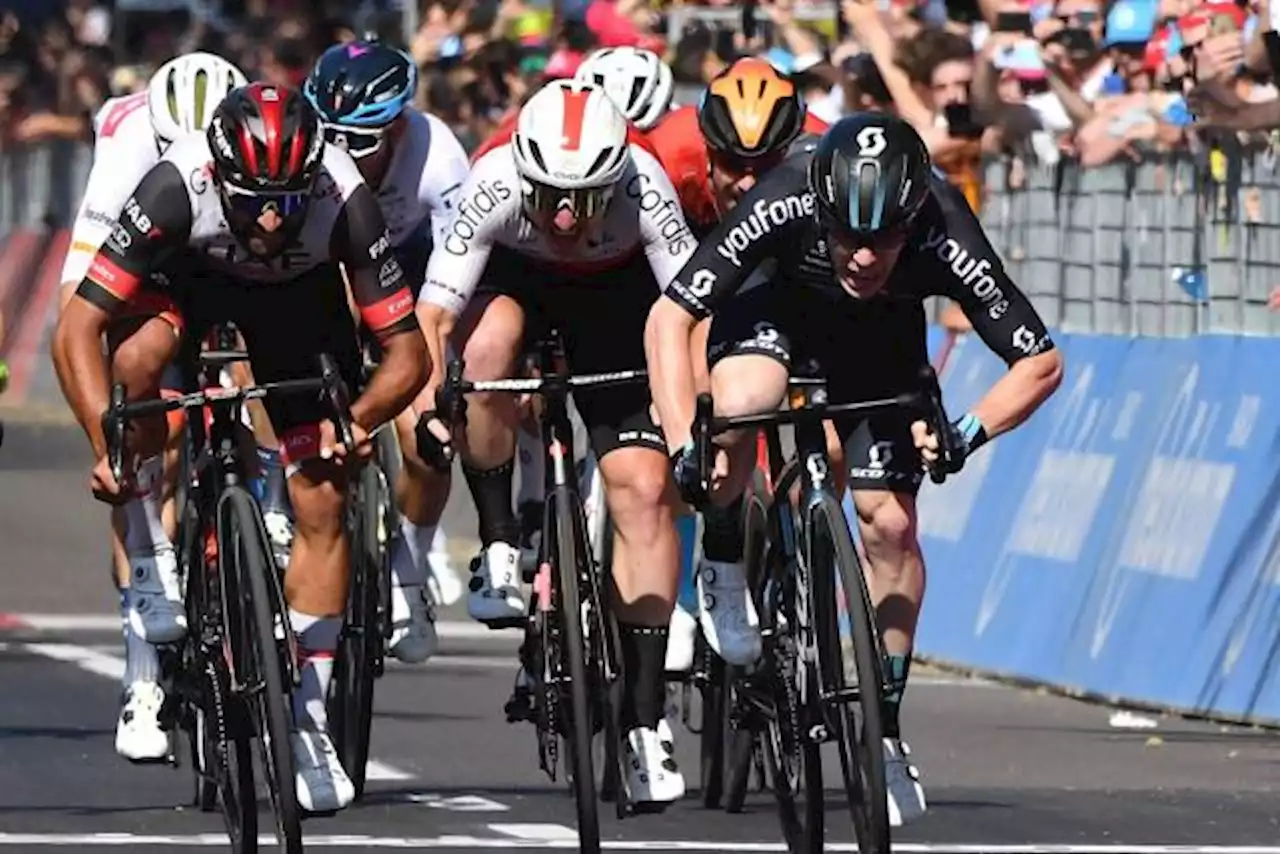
x,y
239,665
571,652
804,691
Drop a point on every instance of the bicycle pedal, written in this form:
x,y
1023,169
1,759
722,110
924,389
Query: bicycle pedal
x,y
648,807
506,623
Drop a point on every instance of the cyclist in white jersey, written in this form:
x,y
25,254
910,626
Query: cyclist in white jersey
x,y
363,92
130,134
258,214
570,226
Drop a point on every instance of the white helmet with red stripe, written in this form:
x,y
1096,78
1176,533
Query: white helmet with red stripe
x,y
570,136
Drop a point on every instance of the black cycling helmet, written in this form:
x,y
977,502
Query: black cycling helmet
x,y
869,174
363,84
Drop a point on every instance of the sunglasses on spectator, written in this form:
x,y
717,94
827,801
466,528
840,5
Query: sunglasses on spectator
x,y
358,142
251,205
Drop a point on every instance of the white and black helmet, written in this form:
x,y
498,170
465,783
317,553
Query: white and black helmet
x,y
184,93
637,80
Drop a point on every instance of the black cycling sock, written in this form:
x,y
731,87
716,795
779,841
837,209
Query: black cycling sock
x,y
895,687
722,532
644,661
491,492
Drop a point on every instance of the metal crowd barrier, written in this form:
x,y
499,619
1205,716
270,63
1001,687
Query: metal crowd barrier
x,y
41,184
1164,247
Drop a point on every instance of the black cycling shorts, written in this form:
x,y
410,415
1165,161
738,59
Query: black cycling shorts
x,y
285,327
601,318
865,350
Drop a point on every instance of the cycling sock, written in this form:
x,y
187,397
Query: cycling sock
x,y
275,492
317,640
644,653
896,686
533,478
722,532
417,540
491,492
141,661
144,532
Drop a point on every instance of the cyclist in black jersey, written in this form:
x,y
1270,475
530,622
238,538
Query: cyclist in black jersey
x,y
825,265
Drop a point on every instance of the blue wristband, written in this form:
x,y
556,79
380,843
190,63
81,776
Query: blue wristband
x,y
972,431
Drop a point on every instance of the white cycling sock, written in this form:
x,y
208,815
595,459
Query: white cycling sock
x,y
317,640
532,467
144,532
141,661
417,540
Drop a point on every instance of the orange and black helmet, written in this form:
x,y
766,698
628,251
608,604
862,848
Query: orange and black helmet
x,y
751,110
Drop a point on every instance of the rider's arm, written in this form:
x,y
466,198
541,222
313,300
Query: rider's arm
x,y
768,219
486,211
156,218
1000,313
386,309
443,175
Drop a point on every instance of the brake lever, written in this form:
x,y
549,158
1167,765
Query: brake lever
x,y
702,414
113,431
940,425
335,389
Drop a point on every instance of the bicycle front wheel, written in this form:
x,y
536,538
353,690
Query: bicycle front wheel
x,y
243,537
570,562
351,701
837,578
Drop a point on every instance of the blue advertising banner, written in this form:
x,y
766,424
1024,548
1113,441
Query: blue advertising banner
x,y
1126,540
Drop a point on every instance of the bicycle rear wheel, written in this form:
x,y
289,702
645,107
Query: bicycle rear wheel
x,y
351,699
243,538
567,576
836,572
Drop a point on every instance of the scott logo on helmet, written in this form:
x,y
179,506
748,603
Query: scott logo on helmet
x,y
471,212
763,217
974,273
664,210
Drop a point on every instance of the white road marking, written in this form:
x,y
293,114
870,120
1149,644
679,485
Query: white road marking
x,y
212,840
456,803
112,667
90,623
540,832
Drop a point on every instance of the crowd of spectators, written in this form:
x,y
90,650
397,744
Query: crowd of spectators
x,y
1095,79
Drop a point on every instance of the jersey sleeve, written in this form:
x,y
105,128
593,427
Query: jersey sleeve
x,y
117,169
487,208
363,245
767,223
965,268
442,176
668,242
154,220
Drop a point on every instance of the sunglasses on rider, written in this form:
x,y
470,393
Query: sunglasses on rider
x,y
881,241
582,203
357,142
252,205
732,164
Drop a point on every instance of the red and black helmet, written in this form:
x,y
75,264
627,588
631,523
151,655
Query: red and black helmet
x,y
266,139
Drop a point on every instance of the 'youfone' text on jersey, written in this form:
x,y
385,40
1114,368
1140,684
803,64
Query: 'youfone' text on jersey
x,y
764,216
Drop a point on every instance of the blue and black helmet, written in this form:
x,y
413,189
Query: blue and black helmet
x,y
361,85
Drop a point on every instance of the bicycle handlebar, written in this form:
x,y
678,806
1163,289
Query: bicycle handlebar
x,y
330,384
927,400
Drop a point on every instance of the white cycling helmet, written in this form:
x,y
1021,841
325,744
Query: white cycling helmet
x,y
183,94
638,81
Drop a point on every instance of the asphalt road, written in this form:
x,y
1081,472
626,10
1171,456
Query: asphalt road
x,y
1006,770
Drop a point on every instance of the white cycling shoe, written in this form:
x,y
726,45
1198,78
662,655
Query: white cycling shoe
x,y
495,585
652,773
156,612
139,737
902,782
727,614
681,636
413,625
322,783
